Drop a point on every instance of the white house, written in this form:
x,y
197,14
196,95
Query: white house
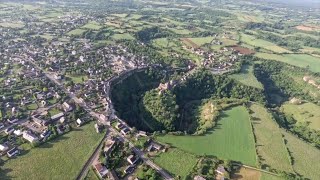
x,y
3,147
30,137
79,122
17,132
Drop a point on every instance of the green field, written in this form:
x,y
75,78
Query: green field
x,y
78,79
270,145
176,162
76,32
300,60
251,40
265,176
232,138
32,106
202,40
247,77
306,112
122,36
60,159
306,157
163,43
92,25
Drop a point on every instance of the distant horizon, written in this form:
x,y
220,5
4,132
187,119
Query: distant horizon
x,y
308,3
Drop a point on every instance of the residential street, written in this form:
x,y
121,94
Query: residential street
x,y
95,115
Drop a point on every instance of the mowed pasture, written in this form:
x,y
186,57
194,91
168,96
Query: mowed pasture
x,y
306,112
299,60
232,138
246,174
269,142
246,76
253,41
61,158
305,157
177,162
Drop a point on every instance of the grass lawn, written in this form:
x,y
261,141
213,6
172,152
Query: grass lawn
x,y
177,162
78,79
306,112
306,157
300,60
32,106
91,175
76,32
247,77
61,158
54,111
270,145
253,41
122,36
232,138
92,25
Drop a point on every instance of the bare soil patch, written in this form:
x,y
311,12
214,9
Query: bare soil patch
x,y
308,28
243,50
246,174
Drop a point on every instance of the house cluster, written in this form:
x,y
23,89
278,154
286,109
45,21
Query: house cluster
x,y
223,59
124,129
110,144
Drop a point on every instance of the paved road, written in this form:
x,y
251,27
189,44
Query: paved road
x,y
161,171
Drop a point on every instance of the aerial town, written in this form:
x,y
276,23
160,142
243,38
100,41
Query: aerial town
x,y
141,90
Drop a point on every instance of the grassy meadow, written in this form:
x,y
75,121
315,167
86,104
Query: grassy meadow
x,y
306,112
269,141
305,157
299,60
177,162
247,77
232,138
61,158
253,41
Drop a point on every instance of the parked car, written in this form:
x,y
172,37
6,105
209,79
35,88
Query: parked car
x,y
9,130
1,125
